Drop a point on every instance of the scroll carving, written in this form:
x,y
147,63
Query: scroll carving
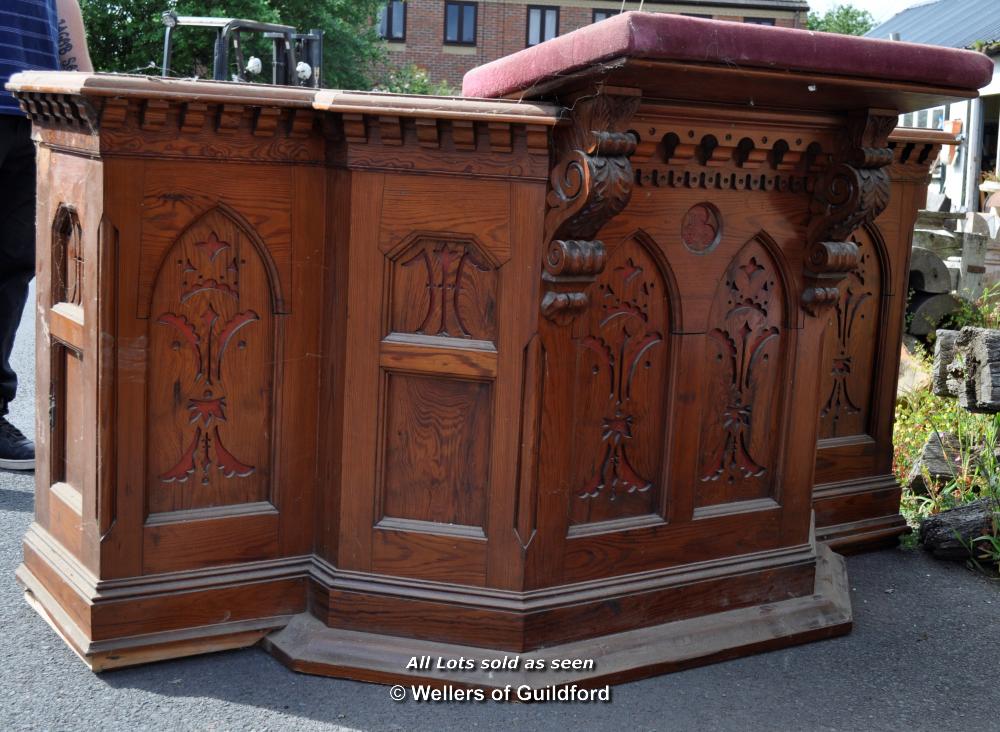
x,y
590,185
851,193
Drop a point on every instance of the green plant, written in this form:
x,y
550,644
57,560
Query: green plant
x,y
921,414
983,312
411,79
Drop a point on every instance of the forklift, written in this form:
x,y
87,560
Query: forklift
x,y
297,58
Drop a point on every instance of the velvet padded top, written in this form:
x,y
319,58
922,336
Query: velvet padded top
x,y
665,37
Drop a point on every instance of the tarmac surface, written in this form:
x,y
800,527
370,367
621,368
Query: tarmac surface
x,y
924,655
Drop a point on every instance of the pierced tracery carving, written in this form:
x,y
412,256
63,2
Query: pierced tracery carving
x,y
851,343
743,376
620,385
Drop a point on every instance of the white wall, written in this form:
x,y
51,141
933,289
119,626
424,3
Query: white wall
x,y
955,177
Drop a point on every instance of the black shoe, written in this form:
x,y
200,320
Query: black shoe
x,y
17,452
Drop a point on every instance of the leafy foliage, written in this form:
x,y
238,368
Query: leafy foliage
x,y
127,35
845,19
984,312
919,414
412,79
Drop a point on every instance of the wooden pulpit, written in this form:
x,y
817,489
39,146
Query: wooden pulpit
x,y
856,495
541,376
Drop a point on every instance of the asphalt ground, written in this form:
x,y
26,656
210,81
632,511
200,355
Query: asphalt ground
x,y
924,655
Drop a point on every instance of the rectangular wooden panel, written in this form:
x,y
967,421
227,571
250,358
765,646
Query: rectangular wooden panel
x,y
436,449
68,418
429,556
191,544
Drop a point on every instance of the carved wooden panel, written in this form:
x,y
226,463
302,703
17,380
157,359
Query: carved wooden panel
x,y
851,343
436,448
443,287
745,345
67,257
621,376
211,386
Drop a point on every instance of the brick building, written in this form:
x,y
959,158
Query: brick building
x,y
447,38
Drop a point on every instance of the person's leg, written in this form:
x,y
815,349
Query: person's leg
x,y
17,267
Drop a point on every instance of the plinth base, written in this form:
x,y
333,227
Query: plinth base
x,y
308,646
859,515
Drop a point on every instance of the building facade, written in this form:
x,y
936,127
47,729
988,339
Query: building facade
x,y
447,38
969,24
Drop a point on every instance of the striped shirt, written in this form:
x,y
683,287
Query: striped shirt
x,y
28,40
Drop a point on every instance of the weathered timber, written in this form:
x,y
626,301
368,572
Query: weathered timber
x,y
973,373
949,534
944,379
940,461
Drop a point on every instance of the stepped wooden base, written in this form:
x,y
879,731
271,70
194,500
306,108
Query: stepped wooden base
x,y
859,515
309,646
136,650
126,622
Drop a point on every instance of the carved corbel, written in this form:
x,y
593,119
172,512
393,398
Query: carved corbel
x,y
852,192
590,184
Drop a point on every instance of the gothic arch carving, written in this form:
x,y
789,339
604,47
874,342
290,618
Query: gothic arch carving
x,y
851,340
622,341
746,349
67,256
278,302
213,337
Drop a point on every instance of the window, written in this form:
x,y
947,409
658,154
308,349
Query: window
x,y
759,21
697,15
460,23
600,15
937,119
392,21
543,23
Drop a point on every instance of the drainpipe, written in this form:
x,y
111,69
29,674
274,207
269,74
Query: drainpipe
x,y
973,160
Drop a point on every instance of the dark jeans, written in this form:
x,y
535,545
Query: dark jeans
x,y
17,238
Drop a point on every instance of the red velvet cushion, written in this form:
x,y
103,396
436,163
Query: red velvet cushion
x,y
677,38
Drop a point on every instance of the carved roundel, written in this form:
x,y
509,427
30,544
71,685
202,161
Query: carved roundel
x,y
701,228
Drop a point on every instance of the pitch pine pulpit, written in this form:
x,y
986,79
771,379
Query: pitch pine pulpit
x,y
856,495
377,378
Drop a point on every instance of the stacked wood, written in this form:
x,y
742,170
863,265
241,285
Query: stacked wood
x,y
967,366
949,534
